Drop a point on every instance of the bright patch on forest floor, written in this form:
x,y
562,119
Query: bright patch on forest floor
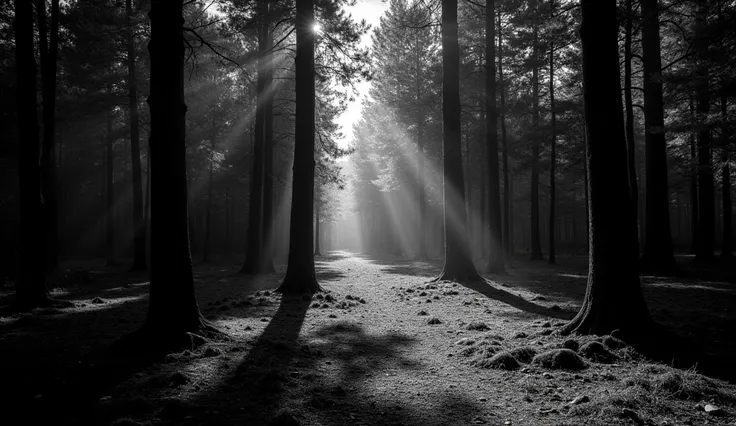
x,y
381,346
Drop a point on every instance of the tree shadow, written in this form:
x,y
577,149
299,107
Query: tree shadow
x,y
487,289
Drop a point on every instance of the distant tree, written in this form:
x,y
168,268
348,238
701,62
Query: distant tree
x,y
458,263
629,111
300,274
496,252
536,244
172,311
706,213
109,189
48,36
254,250
553,143
31,285
658,252
613,299
139,226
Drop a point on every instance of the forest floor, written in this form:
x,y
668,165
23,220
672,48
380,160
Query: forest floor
x,y
381,346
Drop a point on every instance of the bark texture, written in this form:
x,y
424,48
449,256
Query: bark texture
x,y
31,286
658,252
496,252
613,299
300,275
458,263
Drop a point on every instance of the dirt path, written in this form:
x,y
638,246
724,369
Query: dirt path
x,y
381,346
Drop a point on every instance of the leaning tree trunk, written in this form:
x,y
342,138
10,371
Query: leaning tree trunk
x,y
536,245
173,312
267,241
300,275
507,216
658,252
30,290
496,252
553,145
458,263
139,224
49,185
613,300
629,108
706,228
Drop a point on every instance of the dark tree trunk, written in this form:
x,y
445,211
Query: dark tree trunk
x,y
496,252
706,215
300,274
173,312
30,289
48,55
536,244
208,213
458,263
553,145
269,87
613,300
658,252
139,224
629,107
254,249
508,219
109,193
694,210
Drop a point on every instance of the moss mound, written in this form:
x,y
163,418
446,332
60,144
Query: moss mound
x,y
571,344
524,354
614,343
595,351
502,361
560,359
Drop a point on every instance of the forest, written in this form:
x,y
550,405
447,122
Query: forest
x,y
377,212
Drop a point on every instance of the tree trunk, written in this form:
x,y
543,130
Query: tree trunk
x,y
48,56
458,263
109,193
421,184
496,252
172,311
508,217
139,224
613,299
694,220
483,233
536,244
706,214
300,274
658,252
30,290
629,108
254,248
553,145
270,89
